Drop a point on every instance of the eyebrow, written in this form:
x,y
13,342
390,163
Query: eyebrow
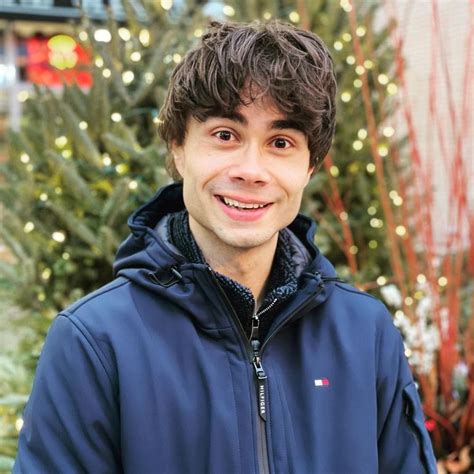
x,y
280,124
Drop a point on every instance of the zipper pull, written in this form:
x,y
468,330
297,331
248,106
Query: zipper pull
x,y
255,326
261,378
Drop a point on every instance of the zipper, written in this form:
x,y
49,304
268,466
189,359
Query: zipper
x,y
260,385
254,349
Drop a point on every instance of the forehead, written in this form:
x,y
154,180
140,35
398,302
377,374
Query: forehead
x,y
261,110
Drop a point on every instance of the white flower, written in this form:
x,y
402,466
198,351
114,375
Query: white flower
x,y
391,294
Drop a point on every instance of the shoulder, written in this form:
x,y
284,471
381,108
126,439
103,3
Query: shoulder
x,y
103,312
359,303
362,312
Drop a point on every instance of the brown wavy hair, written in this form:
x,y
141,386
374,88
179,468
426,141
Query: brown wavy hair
x,y
237,63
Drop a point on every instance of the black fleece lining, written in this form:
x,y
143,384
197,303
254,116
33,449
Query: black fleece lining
x,y
281,285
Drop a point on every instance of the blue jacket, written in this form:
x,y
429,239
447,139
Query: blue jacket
x,y
152,374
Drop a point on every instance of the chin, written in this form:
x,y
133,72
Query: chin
x,y
246,241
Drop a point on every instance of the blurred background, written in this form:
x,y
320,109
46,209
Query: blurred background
x,y
81,85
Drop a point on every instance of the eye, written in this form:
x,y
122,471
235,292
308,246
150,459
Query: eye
x,y
224,135
281,143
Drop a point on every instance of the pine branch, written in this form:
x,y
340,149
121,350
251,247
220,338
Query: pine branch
x,y
75,183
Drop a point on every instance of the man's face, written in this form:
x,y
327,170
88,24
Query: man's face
x,y
243,177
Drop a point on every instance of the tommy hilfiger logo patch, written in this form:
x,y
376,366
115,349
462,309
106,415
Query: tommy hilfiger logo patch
x,y
321,382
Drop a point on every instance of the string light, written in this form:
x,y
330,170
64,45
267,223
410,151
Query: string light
x,y
350,60
19,424
61,141
353,249
66,154
267,16
43,197
362,133
102,35
334,170
372,210
294,17
392,88
346,37
228,10
346,96
360,70
99,62
83,125
46,274
368,64
29,227
401,230
106,159
376,223
383,150
41,296
133,185
360,31
149,77
106,73
198,32
59,236
388,132
66,256
357,83
357,145
354,167
124,33
381,280
128,77
442,281
83,36
144,37
421,279
398,201
338,45
177,58
122,168
116,117
373,244
166,4
345,5
343,216
408,300
383,79
370,168
24,158
136,56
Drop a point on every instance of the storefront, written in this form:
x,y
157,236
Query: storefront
x,y
37,48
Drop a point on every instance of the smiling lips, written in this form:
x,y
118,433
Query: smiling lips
x,y
248,210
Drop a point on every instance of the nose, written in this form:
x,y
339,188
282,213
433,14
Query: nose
x,y
250,166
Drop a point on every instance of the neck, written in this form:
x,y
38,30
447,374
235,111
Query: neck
x,y
248,266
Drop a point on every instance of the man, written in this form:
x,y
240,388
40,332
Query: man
x,y
226,343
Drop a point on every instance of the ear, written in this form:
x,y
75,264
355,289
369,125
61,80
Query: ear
x,y
311,170
177,152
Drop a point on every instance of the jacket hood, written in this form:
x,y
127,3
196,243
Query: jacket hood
x,y
147,257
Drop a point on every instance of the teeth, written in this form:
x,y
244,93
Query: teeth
x,y
241,205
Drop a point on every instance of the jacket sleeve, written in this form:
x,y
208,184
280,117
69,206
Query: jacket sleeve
x,y
404,445
71,420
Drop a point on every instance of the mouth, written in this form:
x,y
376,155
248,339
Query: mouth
x,y
243,206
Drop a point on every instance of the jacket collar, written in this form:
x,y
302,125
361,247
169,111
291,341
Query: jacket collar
x,y
148,251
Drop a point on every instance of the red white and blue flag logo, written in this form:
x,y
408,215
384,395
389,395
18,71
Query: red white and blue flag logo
x,y
321,382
